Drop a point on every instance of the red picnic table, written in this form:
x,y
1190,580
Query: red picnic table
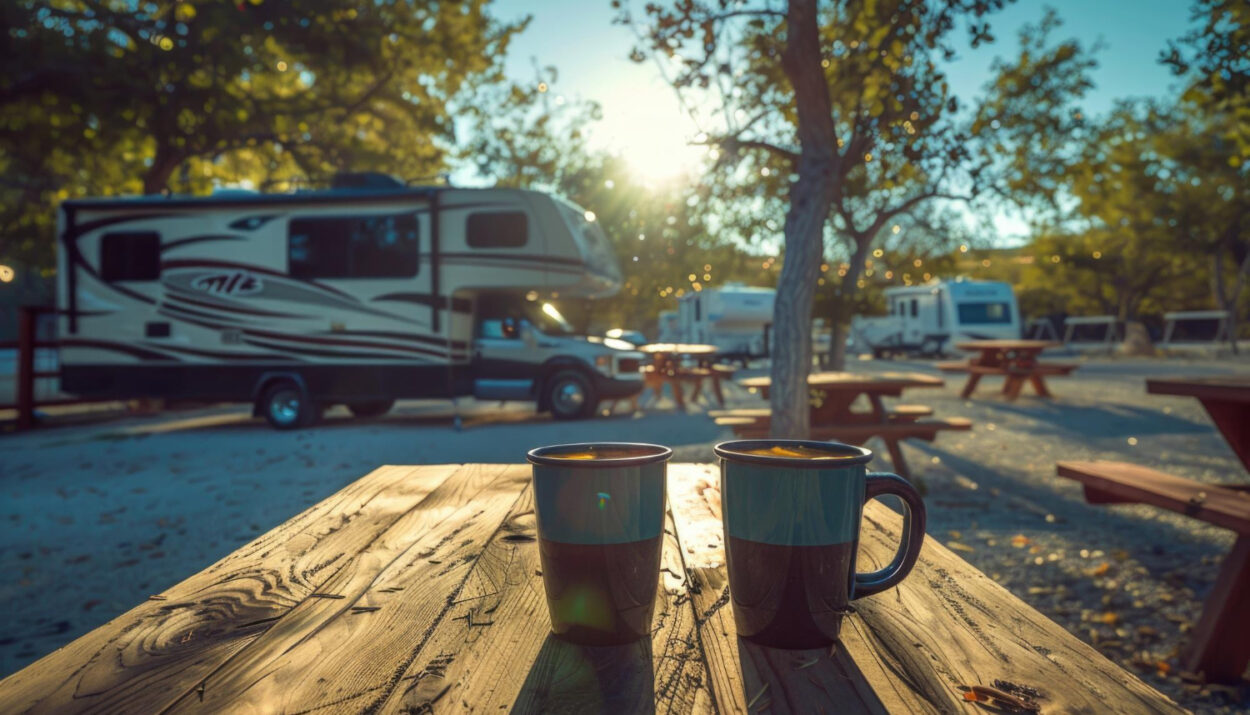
x,y
1015,360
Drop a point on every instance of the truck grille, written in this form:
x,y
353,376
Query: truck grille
x,y
628,365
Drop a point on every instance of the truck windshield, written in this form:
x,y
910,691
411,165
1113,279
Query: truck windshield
x,y
547,318
984,313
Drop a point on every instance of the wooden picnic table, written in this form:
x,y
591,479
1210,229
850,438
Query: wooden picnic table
x,y
418,589
832,417
1226,399
1015,360
666,368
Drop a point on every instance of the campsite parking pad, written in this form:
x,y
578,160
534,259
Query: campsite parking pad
x,y
130,507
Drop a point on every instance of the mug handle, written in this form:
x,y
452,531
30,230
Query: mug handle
x,y
879,484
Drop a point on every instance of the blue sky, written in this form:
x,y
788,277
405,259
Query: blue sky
x,y
643,121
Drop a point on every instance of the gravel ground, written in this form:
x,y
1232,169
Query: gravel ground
x,y
98,516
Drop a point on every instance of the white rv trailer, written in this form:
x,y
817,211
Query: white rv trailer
x,y
354,295
733,317
929,318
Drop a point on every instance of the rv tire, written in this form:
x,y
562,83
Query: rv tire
x,y
287,405
372,408
570,395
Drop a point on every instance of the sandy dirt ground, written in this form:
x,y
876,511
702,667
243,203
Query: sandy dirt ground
x,y
98,516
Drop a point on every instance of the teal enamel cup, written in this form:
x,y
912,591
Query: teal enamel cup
x,y
600,512
792,532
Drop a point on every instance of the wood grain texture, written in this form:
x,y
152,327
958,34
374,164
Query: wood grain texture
x,y
348,654
146,658
906,650
495,651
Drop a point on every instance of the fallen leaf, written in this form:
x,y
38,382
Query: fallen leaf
x,y
959,546
1098,570
1020,541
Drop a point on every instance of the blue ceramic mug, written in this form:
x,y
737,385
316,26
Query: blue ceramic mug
x,y
600,511
791,511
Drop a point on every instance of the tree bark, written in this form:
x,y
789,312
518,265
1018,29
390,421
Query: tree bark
x,y
810,197
156,179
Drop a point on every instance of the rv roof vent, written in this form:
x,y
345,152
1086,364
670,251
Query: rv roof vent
x,y
359,180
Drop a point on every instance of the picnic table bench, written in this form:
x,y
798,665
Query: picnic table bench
x,y
418,589
1015,360
1220,645
831,417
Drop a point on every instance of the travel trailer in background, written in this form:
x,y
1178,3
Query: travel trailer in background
x,y
733,317
357,295
928,319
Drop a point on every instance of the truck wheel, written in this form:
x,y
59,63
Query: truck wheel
x,y
372,408
570,395
287,406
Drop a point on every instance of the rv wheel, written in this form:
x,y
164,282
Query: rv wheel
x,y
374,408
287,406
570,395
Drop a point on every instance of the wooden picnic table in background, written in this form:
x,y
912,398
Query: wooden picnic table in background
x,y
1015,360
667,368
833,395
418,589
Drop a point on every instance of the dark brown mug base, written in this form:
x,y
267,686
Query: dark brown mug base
x,y
601,594
790,597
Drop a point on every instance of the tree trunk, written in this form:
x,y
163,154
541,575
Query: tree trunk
x,y
156,179
810,197
1229,301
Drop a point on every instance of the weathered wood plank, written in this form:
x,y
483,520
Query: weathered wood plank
x,y
348,654
495,651
907,650
164,647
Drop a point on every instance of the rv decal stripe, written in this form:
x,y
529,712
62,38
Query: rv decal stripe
x,y
459,305
254,357
454,344
85,228
178,294
116,347
344,343
184,319
251,223
328,353
188,311
201,263
199,239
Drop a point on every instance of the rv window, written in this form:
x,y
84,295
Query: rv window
x,y
698,310
499,229
915,307
973,313
354,246
130,256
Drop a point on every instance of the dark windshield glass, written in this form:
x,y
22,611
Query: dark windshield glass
x,y
974,313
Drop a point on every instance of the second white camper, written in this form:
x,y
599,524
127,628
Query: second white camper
x,y
929,319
